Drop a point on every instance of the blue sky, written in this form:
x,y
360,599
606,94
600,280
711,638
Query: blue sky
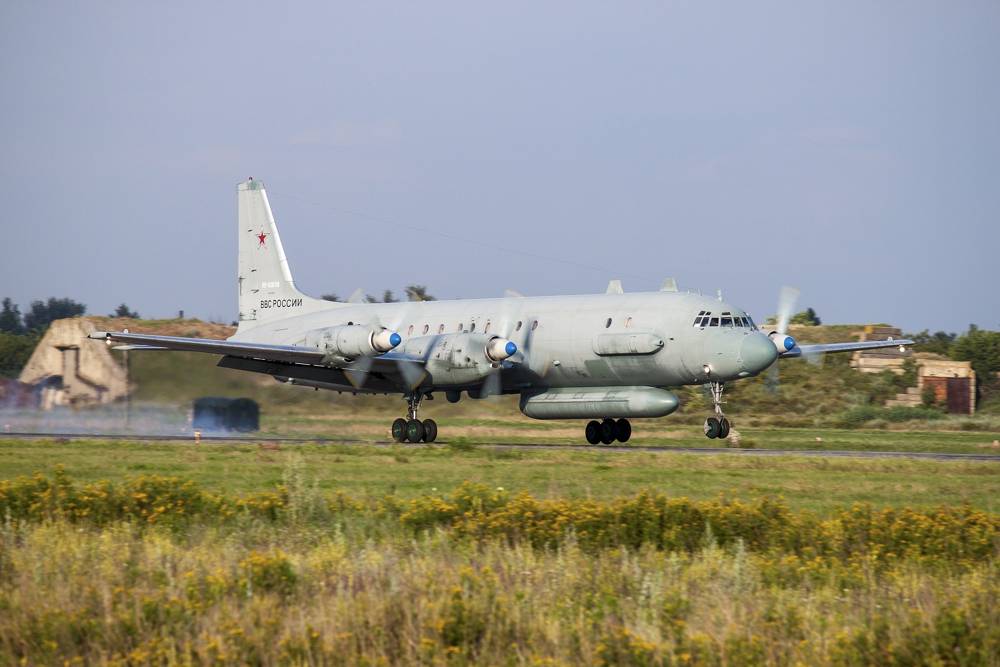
x,y
850,149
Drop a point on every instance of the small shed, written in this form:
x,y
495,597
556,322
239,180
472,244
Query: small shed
x,y
953,383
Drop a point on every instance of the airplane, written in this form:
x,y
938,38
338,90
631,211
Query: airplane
x,y
606,358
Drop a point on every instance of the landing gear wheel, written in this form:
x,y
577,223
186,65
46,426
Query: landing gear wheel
x,y
414,430
712,427
608,431
723,428
430,430
593,432
623,430
399,430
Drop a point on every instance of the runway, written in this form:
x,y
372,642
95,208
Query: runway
x,y
659,449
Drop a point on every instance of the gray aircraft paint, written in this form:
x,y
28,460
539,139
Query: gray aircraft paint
x,y
615,341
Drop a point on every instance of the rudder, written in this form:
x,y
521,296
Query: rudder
x,y
266,288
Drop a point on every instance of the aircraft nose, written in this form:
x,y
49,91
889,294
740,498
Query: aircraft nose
x,y
757,353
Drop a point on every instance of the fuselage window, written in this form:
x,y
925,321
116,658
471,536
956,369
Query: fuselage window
x,y
440,328
459,327
534,325
472,327
628,322
487,328
607,325
427,328
518,327
714,322
409,332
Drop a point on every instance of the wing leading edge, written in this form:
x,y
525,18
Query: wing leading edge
x,y
286,353
390,363
822,348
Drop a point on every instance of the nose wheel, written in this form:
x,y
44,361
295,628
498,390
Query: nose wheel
x,y
717,426
412,429
607,431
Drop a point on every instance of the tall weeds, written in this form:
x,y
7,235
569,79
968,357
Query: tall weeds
x,y
157,571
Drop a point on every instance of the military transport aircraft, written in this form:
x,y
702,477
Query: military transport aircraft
x,y
605,358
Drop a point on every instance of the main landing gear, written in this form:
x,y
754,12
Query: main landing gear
x,y
717,426
608,431
412,429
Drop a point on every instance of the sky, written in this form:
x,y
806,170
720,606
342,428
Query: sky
x,y
850,149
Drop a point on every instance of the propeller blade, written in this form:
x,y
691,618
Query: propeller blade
x,y
492,386
786,305
814,358
358,372
411,373
772,381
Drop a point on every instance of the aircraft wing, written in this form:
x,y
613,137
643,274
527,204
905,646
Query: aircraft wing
x,y
823,348
285,353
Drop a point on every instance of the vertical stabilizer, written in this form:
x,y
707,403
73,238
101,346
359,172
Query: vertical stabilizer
x,y
266,288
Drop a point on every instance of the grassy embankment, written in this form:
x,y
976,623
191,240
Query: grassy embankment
x,y
158,571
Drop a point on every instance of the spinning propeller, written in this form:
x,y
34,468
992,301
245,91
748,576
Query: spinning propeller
x,y
787,298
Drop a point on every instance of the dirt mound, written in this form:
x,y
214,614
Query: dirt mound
x,y
190,328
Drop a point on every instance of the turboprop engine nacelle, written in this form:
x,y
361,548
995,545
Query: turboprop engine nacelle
x,y
461,358
350,341
783,342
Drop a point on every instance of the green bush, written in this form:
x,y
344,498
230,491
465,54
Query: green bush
x,y
15,350
865,414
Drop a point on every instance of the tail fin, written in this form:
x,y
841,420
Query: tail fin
x,y
266,289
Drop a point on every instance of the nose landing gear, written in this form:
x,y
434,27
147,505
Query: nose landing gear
x,y
412,429
608,431
717,426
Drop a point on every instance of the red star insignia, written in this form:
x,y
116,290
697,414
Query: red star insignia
x,y
261,237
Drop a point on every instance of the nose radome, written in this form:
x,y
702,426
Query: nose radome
x,y
757,353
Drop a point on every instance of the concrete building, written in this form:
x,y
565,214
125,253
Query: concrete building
x,y
68,369
885,359
953,384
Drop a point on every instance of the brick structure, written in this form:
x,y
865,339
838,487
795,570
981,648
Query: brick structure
x,y
953,384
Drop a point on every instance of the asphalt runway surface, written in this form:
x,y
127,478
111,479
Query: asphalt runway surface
x,y
245,439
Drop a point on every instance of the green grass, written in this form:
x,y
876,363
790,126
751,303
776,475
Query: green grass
x,y
819,484
655,432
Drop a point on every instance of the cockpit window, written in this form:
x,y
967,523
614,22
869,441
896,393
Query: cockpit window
x,y
714,322
727,320
701,319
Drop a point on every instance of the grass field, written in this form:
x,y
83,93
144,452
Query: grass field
x,y
517,429
811,483
129,553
